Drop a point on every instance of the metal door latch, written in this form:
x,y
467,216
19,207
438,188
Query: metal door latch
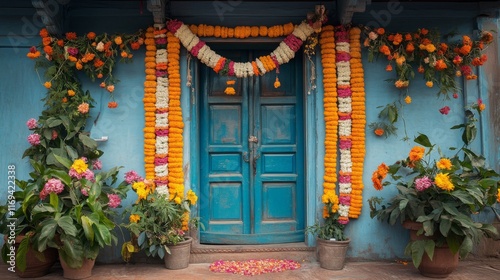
x,y
253,139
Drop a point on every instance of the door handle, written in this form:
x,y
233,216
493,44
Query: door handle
x,y
245,157
255,164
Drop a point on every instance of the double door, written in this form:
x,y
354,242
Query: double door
x,y
252,161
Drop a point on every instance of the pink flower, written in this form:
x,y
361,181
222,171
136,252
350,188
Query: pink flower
x,y
32,123
344,179
97,165
34,139
343,222
114,200
54,135
89,175
52,185
132,176
455,95
74,174
345,200
85,191
423,183
445,110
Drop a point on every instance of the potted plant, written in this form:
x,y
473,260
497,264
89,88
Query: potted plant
x,y
437,194
159,224
331,241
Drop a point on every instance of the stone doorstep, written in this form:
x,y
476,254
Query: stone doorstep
x,y
201,253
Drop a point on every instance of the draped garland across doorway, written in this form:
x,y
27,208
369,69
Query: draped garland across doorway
x,y
344,102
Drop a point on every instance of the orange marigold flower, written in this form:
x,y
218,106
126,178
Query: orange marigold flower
x,y
388,68
417,153
482,106
401,84
60,43
379,175
407,99
379,131
424,31
71,92
103,84
118,40
124,54
498,196
47,84
430,48
444,163
44,33
71,35
486,37
380,31
110,88
443,47
112,104
400,60
91,35
398,38
408,37
440,65
429,84
46,41
465,50
98,63
64,100
135,45
410,47
99,76
466,40
385,50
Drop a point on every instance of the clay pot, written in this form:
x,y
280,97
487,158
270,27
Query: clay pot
x,y
78,273
331,254
179,255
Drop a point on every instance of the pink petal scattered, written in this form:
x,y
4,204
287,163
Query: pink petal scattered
x,y
253,267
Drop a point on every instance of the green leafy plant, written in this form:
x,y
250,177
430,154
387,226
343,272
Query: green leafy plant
x,y
157,221
329,229
442,192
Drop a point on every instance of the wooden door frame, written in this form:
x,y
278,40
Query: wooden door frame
x,y
313,128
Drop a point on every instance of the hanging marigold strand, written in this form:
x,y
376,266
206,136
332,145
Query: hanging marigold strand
x,y
162,109
327,44
358,123
176,124
149,105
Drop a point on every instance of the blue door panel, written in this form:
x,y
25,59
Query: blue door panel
x,y
251,157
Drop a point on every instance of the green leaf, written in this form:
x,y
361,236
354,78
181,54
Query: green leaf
x,y
64,161
53,122
61,175
72,153
47,233
103,234
463,196
54,200
66,223
72,253
423,140
87,228
87,141
22,252
444,226
141,238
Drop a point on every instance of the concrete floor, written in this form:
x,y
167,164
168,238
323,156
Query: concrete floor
x,y
477,269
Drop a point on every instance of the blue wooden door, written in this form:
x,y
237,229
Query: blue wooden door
x,y
252,162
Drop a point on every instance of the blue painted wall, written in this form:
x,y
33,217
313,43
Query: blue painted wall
x,y
21,90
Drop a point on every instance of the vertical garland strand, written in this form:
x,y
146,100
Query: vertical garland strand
x,y
358,123
161,105
327,43
149,104
345,121
175,159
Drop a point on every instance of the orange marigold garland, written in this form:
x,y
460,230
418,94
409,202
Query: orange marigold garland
x,y
327,43
358,123
176,124
149,106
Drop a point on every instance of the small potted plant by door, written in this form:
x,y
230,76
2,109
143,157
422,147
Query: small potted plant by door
x,y
159,225
331,242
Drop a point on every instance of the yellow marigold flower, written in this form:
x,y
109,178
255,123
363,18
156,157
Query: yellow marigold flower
x,y
79,166
142,193
417,153
443,182
71,92
277,83
407,99
444,163
430,48
134,218
177,200
191,196
138,185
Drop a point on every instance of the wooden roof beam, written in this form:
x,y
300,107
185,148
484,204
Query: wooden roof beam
x,y
346,9
50,12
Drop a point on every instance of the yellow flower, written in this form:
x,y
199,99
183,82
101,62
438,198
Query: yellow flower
x,y
191,196
138,185
443,182
482,106
134,218
71,92
498,196
177,200
429,84
80,166
142,193
277,83
430,48
444,163
407,99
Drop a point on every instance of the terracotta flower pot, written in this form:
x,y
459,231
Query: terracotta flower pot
x,y
179,255
78,273
443,263
331,254
37,264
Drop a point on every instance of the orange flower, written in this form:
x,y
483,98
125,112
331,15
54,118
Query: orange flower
x,y
420,69
440,65
71,35
398,38
112,104
424,31
465,50
118,40
124,54
388,68
429,84
380,31
379,131
408,37
135,45
417,153
91,35
47,84
71,92
98,63
110,88
385,50
379,175
44,33
99,76
83,108
410,48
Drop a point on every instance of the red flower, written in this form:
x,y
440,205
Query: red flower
x,y
445,110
